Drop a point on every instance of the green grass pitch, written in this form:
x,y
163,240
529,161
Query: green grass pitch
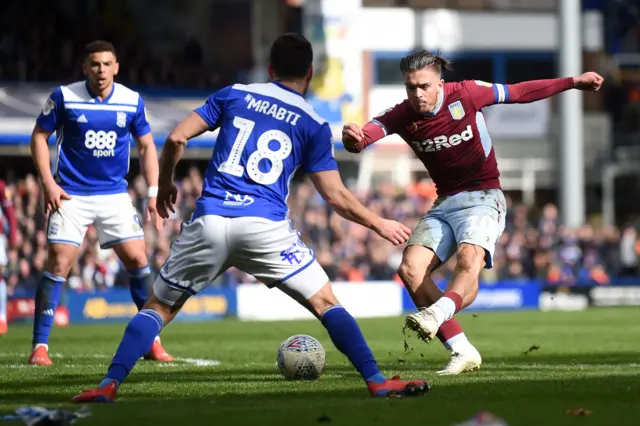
x,y
586,359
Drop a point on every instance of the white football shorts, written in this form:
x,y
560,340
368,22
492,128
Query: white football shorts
x,y
270,251
474,217
113,215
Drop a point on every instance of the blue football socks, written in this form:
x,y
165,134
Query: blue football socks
x,y
347,337
138,285
137,341
47,298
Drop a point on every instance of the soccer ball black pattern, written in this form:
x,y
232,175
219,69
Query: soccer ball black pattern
x,y
301,357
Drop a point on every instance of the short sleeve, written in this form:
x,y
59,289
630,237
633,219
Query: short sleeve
x,y
318,153
393,119
52,114
211,111
140,124
485,94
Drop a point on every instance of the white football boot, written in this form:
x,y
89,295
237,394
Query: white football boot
x,y
462,361
424,322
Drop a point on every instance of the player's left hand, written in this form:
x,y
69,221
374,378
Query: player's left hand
x,y
588,81
167,197
392,231
152,213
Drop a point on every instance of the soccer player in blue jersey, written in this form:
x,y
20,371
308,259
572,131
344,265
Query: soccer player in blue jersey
x,y
94,121
267,132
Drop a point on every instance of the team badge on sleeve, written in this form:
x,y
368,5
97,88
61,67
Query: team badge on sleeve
x,y
483,83
49,105
456,110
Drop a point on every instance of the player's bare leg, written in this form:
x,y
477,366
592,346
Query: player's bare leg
x,y
458,294
132,254
424,292
348,339
60,259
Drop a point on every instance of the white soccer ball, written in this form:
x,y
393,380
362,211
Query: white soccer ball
x,y
301,357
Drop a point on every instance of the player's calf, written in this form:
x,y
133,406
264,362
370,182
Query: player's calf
x,y
46,303
470,261
132,254
61,257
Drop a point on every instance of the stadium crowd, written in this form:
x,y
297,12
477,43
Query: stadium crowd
x,y
52,49
533,246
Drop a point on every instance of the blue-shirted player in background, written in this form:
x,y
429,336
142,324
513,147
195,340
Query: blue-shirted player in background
x,y
94,121
267,131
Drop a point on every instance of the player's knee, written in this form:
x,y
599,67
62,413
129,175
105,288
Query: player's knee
x,y
60,259
413,268
417,261
137,262
470,259
132,253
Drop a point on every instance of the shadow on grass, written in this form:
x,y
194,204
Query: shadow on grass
x,y
612,400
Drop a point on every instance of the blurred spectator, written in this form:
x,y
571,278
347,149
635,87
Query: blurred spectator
x,y
629,252
52,49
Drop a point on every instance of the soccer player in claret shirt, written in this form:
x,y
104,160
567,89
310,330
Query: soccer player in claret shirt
x,y
267,132
94,121
444,125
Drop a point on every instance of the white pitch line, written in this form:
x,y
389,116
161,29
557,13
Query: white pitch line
x,y
19,366
193,361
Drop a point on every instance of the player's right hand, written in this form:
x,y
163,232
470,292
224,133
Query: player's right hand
x,y
53,197
393,231
167,197
352,135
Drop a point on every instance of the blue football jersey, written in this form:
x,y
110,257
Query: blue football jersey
x,y
267,132
93,137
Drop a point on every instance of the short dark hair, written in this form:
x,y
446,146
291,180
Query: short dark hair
x,y
291,56
424,59
99,46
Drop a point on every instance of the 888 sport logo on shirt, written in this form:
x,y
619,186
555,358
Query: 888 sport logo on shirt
x,y
102,143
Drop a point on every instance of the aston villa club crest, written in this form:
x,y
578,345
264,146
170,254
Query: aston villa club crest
x,y
456,110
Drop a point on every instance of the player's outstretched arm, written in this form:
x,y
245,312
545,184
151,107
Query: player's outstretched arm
x,y
329,184
172,151
485,94
53,194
